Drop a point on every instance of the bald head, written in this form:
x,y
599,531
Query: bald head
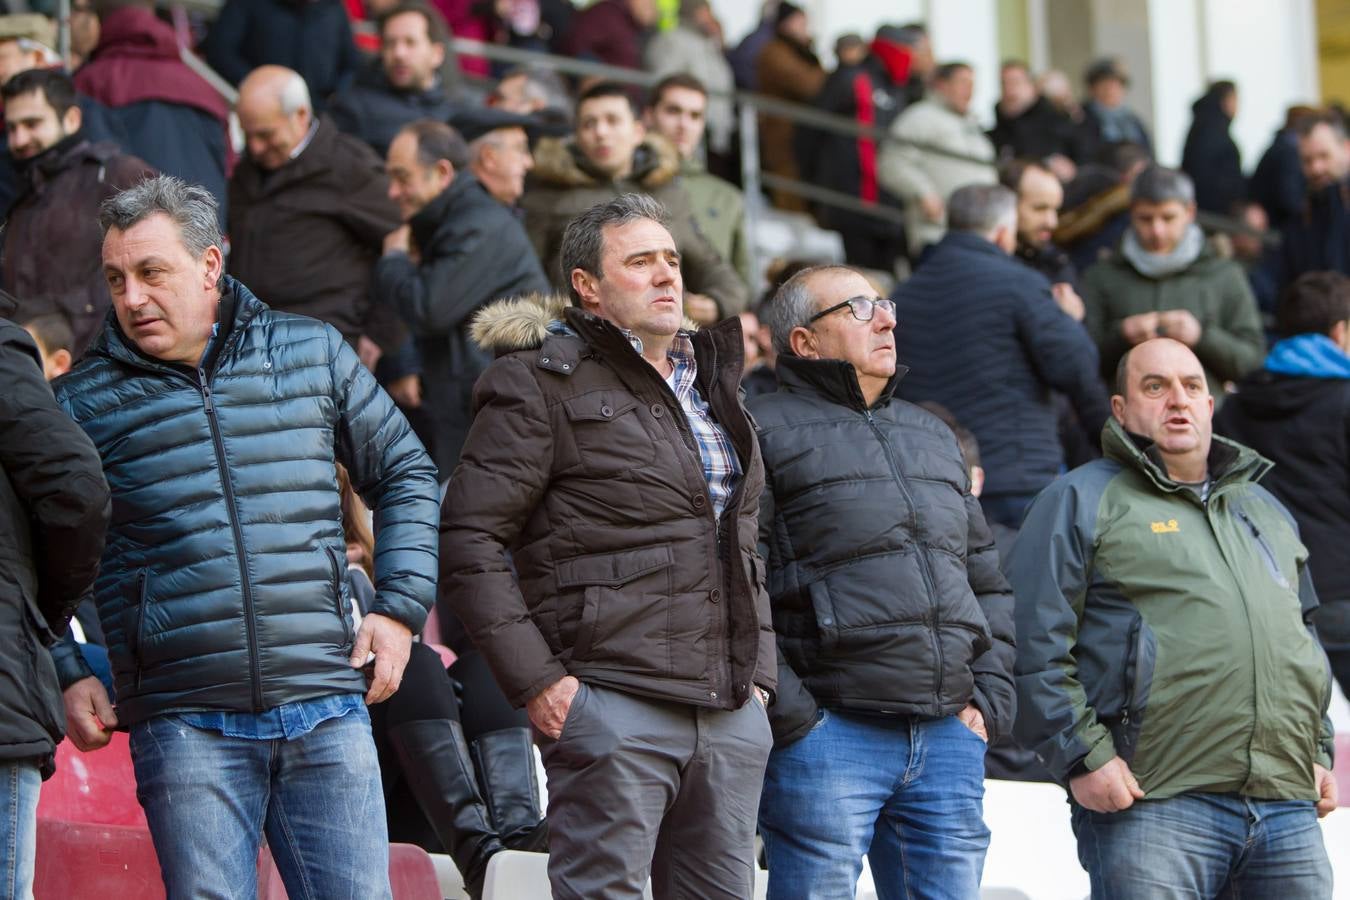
x,y
1162,394
275,112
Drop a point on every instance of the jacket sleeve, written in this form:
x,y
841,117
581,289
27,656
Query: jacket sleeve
x,y
1326,755
1233,345
794,709
396,479
1049,568
224,47
708,273
995,692
900,167
58,478
1063,354
503,473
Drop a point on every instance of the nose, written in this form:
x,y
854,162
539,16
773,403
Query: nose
x,y
394,193
1176,395
665,272
529,161
883,319
132,295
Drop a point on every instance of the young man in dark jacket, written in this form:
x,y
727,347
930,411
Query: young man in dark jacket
x,y
982,335
221,590
1318,238
1295,410
51,238
53,514
611,457
894,625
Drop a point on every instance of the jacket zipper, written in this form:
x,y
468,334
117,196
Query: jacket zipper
x,y
255,673
921,549
1267,554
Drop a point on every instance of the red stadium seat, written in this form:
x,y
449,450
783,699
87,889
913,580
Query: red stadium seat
x,y
411,874
87,861
97,788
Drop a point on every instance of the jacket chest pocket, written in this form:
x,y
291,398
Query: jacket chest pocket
x,y
608,432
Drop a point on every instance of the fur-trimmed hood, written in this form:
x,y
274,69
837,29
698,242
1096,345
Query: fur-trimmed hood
x,y
559,163
522,323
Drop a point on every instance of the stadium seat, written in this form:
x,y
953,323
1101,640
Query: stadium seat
x,y
411,875
88,861
97,788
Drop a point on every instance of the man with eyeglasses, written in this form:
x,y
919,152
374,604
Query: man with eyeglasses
x,y
894,625
984,337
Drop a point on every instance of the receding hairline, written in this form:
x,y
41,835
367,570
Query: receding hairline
x,y
1124,369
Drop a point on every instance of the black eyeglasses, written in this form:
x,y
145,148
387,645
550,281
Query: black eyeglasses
x,y
863,308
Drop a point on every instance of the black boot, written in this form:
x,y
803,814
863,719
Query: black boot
x,y
437,767
507,774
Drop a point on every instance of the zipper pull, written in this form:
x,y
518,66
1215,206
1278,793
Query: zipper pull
x,y
206,397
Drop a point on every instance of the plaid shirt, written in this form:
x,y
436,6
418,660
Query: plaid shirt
x,y
721,468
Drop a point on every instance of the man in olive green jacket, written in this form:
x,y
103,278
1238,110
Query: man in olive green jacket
x,y
1165,281
1168,672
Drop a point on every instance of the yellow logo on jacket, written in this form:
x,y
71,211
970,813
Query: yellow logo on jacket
x,y
1168,527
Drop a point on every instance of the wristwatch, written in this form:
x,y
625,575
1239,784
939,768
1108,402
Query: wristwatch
x,y
763,696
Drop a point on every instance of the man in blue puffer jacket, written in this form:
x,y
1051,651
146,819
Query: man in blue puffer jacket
x,y
221,591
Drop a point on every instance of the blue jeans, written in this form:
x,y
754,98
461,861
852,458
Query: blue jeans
x,y
1204,846
20,784
907,792
208,798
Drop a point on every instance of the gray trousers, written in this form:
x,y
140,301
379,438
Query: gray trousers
x,y
640,787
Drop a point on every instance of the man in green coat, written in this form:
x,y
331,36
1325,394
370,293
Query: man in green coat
x,y
677,110
1167,671
1165,281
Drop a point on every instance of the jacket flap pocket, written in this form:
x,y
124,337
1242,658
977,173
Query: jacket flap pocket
x,y
613,569
600,406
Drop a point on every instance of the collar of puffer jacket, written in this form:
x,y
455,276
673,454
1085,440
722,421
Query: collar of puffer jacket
x,y
559,163
834,379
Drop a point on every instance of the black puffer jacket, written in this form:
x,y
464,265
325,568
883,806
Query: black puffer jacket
x,y
473,250
222,580
53,512
883,576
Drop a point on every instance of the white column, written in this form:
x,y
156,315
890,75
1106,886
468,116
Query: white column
x,y
967,30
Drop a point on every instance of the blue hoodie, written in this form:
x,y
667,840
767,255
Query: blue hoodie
x,y
1309,356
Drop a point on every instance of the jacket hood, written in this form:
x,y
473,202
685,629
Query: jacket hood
x,y
1267,396
523,323
1228,461
1308,356
558,162
518,323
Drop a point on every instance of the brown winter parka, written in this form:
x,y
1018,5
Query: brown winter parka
x,y
581,464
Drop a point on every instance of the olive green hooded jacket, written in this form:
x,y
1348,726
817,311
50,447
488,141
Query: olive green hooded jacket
x,y
1171,631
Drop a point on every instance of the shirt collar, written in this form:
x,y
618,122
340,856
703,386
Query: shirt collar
x,y
304,142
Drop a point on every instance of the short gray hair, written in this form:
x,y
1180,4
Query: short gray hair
x,y
981,208
1159,185
583,240
793,305
294,95
189,206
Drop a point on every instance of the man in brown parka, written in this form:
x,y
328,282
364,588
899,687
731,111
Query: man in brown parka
x,y
610,455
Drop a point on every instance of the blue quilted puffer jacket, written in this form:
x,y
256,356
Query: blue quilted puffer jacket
x,y
221,586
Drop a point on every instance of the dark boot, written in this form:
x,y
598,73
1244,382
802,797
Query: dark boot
x,y
507,774
439,771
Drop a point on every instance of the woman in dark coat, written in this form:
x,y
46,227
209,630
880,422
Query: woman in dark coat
x,y
1211,157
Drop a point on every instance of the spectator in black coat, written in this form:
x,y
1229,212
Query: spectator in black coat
x,y
982,335
470,250
313,37
53,513
1277,184
1027,125
1211,157
405,87
1318,238
1106,118
1296,411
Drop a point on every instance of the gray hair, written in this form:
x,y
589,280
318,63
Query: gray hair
x,y
583,240
294,95
189,206
981,208
1159,185
794,304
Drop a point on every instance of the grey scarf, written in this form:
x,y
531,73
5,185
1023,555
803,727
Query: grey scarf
x,y
1161,265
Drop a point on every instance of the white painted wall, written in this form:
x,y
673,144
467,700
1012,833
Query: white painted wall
x,y
1176,55
967,30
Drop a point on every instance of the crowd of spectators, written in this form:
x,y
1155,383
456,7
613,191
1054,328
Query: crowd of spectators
x,y
393,190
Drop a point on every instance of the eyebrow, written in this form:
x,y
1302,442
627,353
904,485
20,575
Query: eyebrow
x,y
669,251
138,264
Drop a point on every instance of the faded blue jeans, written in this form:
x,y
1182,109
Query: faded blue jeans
x,y
907,792
20,784
208,799
1200,846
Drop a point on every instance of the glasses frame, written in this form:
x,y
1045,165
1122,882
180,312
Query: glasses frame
x,y
872,304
